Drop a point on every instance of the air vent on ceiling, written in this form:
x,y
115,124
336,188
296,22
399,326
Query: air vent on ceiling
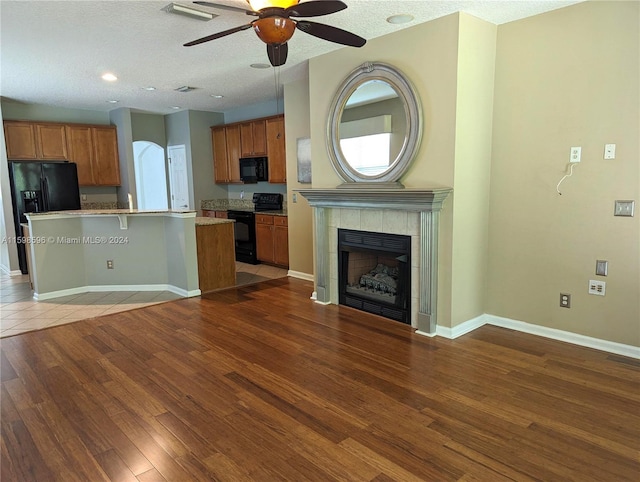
x,y
185,88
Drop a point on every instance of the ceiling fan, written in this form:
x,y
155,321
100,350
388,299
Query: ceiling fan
x,y
274,25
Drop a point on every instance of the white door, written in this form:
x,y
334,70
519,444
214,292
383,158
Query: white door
x,y
151,176
179,180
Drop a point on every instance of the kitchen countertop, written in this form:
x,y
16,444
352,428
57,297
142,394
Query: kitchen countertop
x,y
283,212
204,221
95,212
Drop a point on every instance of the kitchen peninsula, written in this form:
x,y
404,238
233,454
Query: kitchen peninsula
x,y
126,250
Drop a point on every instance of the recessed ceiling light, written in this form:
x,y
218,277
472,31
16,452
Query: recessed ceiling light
x,y
113,101
175,107
401,18
217,96
109,77
260,66
149,88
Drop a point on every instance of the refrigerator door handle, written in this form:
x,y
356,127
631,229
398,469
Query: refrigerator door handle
x,y
45,194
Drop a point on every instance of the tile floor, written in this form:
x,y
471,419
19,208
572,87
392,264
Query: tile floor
x,y
20,313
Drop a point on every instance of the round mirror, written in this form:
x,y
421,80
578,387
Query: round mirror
x,y
375,125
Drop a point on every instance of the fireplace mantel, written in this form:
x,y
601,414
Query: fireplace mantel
x,y
424,204
407,199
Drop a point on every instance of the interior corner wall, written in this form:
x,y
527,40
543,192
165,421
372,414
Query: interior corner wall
x,y
296,99
204,187
8,251
121,118
567,78
472,167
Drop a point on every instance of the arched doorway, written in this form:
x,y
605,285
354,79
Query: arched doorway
x,y
151,176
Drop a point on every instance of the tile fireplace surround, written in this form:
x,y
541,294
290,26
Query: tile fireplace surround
x,y
412,212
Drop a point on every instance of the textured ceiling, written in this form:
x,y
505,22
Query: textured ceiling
x,y
54,52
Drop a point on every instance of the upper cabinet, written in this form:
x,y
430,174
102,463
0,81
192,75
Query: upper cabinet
x,y
226,153
35,141
276,149
259,137
253,138
94,148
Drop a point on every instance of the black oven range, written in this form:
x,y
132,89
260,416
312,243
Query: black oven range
x,y
244,228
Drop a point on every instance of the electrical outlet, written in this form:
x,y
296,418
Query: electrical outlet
x,y
109,264
609,151
576,154
597,287
624,208
565,300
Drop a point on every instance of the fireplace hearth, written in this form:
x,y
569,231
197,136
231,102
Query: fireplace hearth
x,y
374,271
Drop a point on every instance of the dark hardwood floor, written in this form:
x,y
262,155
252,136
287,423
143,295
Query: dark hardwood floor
x,y
260,383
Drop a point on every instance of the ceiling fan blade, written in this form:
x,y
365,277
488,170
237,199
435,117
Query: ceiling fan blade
x,y
315,8
218,35
220,6
277,54
332,34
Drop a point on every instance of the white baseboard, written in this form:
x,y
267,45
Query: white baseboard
x,y
87,289
554,334
300,275
566,336
8,271
462,328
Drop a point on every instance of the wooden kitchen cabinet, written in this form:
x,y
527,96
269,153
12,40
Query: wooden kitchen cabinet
x,y
94,149
272,239
276,150
226,153
209,213
253,138
35,141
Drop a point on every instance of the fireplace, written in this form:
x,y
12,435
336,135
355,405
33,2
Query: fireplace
x,y
374,272
412,212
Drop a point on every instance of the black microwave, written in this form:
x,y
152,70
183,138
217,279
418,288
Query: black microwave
x,y
254,169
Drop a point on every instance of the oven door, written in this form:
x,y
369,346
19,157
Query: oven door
x,y
244,231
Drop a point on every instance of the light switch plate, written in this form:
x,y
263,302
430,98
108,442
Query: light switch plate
x,y
602,267
624,208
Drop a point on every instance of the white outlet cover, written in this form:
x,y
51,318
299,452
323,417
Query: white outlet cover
x,y
624,208
576,154
609,151
597,287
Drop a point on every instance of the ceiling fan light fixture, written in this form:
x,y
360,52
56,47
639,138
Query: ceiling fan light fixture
x,y
189,12
274,30
258,5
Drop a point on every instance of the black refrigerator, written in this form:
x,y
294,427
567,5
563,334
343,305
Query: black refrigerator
x,y
38,187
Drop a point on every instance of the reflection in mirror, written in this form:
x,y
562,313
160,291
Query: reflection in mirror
x,y
372,127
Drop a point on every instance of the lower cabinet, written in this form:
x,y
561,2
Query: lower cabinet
x,y
208,213
272,239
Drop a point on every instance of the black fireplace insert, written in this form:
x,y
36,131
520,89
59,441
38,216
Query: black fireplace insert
x,y
374,272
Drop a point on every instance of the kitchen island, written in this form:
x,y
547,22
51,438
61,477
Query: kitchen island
x,y
114,250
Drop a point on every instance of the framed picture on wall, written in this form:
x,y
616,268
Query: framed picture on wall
x,y
304,160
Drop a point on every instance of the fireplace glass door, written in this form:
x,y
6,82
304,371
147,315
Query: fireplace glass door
x,y
374,272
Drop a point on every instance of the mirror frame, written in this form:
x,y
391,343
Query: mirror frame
x,y
413,116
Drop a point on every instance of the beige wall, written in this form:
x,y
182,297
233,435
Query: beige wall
x,y
296,99
472,168
567,78
451,63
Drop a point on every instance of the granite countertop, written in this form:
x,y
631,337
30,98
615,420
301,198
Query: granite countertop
x,y
282,212
204,221
85,212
